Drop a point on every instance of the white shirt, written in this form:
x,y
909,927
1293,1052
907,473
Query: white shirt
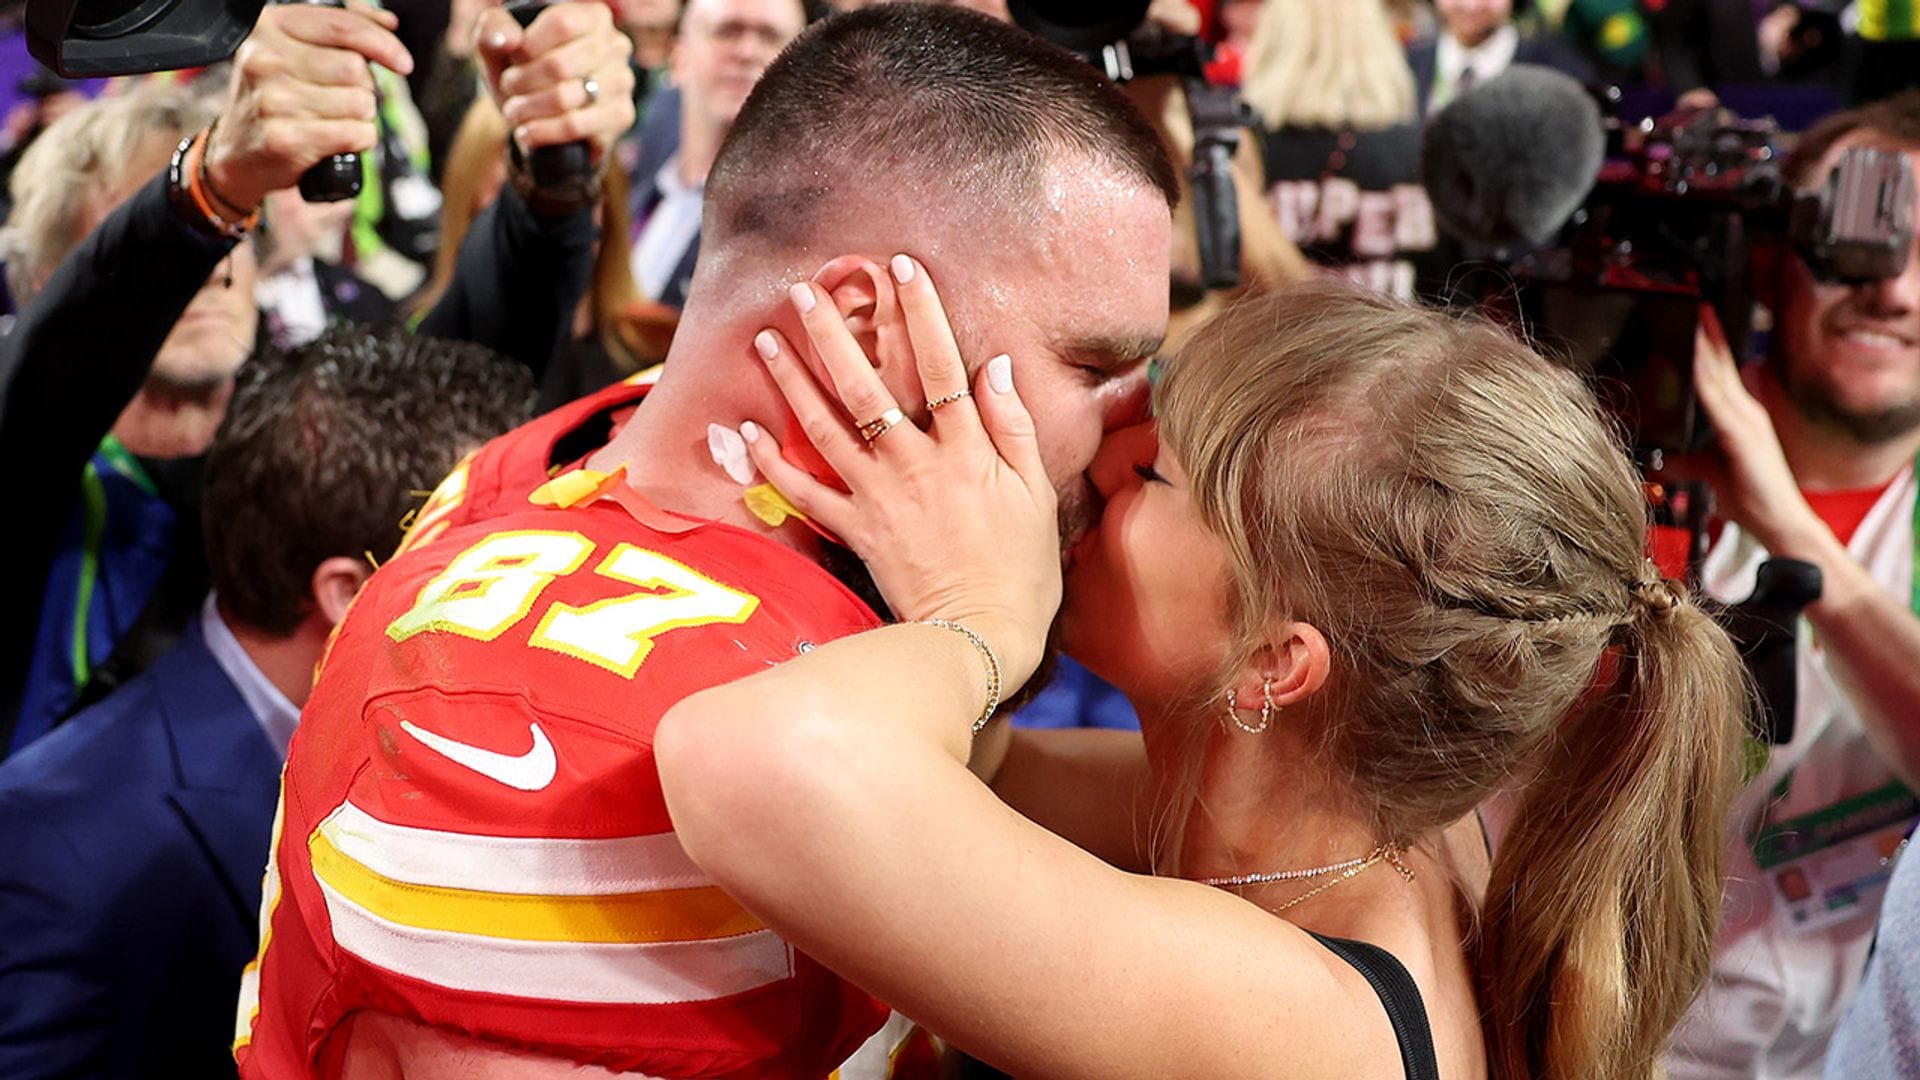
x,y
669,231
1776,994
1452,59
294,296
277,715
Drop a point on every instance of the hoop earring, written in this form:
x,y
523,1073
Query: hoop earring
x,y
1267,709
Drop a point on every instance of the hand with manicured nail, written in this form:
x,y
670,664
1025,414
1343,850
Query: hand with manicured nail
x,y
956,521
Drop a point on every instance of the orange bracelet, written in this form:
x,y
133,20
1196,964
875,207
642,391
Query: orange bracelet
x,y
194,177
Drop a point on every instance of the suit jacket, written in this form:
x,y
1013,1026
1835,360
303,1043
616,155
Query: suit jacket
x,y
660,140
135,838
1543,50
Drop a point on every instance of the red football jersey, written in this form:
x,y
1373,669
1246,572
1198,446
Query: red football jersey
x,y
497,478
471,830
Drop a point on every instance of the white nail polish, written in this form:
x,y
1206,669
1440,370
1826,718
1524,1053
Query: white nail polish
x,y
803,298
902,269
765,345
1000,373
750,431
729,452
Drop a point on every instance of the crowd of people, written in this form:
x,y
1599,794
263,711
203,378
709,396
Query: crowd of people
x,y
845,587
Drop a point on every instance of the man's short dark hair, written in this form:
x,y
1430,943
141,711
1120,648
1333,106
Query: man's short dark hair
x,y
326,447
935,96
1896,118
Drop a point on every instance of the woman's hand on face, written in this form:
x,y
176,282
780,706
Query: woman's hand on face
x,y
955,522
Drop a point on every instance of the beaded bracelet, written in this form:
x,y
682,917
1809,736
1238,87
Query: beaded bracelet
x,y
987,654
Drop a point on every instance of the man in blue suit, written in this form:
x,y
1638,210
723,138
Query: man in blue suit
x,y
135,836
722,49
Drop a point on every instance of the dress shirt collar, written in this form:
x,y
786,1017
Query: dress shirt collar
x,y
277,715
1487,59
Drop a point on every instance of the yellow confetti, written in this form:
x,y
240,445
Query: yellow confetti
x,y
770,506
571,488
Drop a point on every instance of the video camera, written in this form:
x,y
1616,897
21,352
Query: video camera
x,y
1119,40
1674,217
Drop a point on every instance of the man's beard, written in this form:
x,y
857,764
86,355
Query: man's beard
x,y
1815,400
1078,511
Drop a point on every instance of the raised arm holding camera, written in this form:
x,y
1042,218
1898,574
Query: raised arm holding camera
x,y
164,254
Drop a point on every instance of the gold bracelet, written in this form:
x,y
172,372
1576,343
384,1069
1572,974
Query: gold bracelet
x,y
993,666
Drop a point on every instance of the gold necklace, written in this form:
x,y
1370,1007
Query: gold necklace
x,y
1349,868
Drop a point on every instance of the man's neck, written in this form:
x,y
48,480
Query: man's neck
x,y
1470,47
287,662
699,145
664,446
159,424
1824,458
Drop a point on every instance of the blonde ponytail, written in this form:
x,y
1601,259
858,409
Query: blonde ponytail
x,y
1598,926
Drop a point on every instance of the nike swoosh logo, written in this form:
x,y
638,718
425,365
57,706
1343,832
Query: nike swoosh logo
x,y
530,771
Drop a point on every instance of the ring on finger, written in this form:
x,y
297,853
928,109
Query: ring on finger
x,y
885,422
592,88
936,403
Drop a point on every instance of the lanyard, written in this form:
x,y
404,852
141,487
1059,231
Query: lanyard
x,y
126,464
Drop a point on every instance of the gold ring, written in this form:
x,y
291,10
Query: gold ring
x,y
934,405
873,429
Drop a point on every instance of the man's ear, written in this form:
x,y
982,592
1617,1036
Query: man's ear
x,y
335,583
1292,667
864,293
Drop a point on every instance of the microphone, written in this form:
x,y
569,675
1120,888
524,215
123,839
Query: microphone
x,y
1509,161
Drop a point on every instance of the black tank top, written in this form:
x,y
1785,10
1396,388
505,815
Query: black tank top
x,y
1405,1011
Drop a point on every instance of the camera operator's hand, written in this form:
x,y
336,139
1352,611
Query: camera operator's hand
x,y
300,93
1175,17
1753,485
564,78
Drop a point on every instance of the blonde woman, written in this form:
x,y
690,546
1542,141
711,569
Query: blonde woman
x,y
1328,81
1379,564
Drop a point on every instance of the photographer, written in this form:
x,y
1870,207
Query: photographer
x,y
105,573
1814,462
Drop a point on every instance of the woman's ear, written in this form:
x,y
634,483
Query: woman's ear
x,y
864,293
1291,667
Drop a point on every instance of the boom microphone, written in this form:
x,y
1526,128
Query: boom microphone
x,y
1509,161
